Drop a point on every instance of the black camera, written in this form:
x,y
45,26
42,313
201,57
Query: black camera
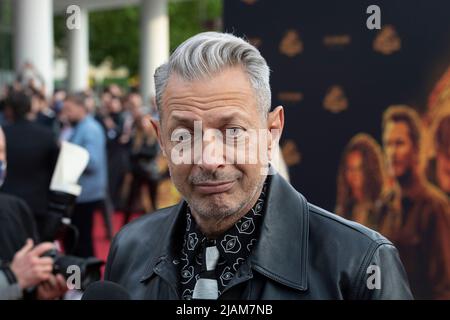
x,y
58,226
88,269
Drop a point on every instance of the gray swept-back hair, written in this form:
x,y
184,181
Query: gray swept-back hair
x,y
207,53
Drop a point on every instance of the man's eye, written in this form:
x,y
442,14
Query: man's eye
x,y
181,135
185,137
235,132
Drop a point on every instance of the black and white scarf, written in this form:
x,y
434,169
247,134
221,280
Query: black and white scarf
x,y
233,247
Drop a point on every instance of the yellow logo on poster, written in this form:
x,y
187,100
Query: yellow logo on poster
x,y
387,41
291,44
290,152
335,100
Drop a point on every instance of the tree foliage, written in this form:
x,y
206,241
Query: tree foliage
x,y
114,34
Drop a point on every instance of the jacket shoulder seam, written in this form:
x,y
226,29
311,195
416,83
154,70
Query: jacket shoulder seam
x,y
376,240
359,283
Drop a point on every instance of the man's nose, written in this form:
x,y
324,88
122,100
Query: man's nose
x,y
212,153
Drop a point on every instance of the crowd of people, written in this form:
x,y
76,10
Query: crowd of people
x,y
124,160
402,188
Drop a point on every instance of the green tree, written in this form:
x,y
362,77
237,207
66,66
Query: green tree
x,y
114,34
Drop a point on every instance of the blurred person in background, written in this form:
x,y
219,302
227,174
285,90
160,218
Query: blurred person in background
x,y
421,229
144,150
30,77
22,226
113,122
360,181
31,155
21,266
65,128
4,93
57,103
42,112
87,133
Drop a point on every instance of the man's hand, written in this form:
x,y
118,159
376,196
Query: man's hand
x,y
53,288
29,267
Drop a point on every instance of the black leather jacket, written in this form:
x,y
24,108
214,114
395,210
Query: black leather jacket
x,y
304,252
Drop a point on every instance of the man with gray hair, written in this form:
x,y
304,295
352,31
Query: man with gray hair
x,y
241,231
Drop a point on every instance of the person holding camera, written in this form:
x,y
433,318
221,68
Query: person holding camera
x,y
24,271
29,270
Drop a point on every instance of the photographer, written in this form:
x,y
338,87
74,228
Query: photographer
x,y
31,152
27,270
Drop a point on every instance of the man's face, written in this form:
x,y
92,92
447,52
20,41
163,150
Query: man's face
x,y
354,171
213,186
115,105
135,105
72,112
443,170
106,98
399,149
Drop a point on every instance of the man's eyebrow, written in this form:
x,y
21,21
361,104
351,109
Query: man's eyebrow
x,y
182,118
235,115
221,119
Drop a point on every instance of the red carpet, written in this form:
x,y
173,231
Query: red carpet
x,y
101,242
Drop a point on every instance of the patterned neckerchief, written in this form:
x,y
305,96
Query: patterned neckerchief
x,y
234,247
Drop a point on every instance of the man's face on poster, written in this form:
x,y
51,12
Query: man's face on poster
x,y
225,104
399,148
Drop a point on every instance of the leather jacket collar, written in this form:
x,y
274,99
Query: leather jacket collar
x,y
282,223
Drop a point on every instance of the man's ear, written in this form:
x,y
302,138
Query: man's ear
x,y
157,126
275,125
